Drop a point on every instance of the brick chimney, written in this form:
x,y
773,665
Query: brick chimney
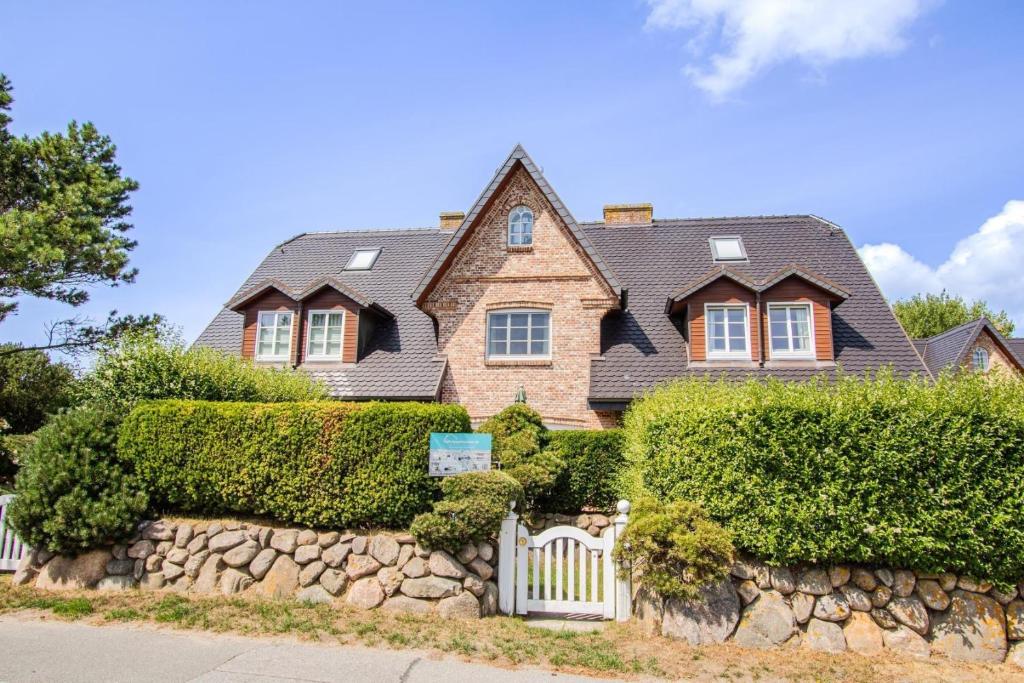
x,y
621,214
450,220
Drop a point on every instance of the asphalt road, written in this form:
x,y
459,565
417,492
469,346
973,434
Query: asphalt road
x,y
56,651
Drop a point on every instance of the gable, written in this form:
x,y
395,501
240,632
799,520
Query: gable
x,y
517,161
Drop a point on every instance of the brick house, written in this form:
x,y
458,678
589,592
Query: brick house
x,y
976,346
583,317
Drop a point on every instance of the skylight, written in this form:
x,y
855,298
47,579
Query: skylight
x,y
728,249
363,259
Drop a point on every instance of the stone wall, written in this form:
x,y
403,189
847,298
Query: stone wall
x,y
390,571
842,608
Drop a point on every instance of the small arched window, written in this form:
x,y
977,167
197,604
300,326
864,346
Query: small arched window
x,y
520,227
980,360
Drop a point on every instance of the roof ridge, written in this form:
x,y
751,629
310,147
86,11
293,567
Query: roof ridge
x,y
388,230
959,328
699,219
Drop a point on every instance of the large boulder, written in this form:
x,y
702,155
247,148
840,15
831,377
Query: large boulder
x,y
360,566
1015,620
334,581
1016,654
932,595
767,622
971,629
832,607
825,636
335,555
74,573
241,555
365,593
430,587
803,606
903,640
116,583
862,634
709,618
262,563
782,580
158,531
403,603
489,600
415,568
282,579
226,540
284,540
314,595
311,572
209,574
814,582
234,581
384,549
462,606
910,612
443,564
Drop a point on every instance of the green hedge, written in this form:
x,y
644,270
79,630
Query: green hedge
x,y
589,478
317,463
906,474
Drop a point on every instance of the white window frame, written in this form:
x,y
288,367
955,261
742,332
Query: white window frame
x,y
309,336
357,252
746,354
259,325
520,207
974,363
812,352
529,341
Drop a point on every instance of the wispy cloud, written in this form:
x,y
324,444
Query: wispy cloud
x,y
734,40
984,265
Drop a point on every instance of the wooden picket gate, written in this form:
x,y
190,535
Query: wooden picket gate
x,y
562,570
11,547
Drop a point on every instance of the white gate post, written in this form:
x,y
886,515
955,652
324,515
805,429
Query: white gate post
x,y
506,561
623,592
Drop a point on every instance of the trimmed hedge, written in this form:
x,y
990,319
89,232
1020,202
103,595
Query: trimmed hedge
x,y
881,471
319,463
589,477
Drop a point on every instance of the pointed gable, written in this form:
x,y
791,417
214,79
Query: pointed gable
x,y
518,158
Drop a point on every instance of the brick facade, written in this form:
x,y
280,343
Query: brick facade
x,y
553,274
997,360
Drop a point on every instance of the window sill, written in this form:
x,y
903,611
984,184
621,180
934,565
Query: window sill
x,y
524,362
519,248
806,363
723,363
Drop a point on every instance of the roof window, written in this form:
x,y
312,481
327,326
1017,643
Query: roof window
x,y
363,259
728,248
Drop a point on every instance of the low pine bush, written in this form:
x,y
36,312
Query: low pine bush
x,y
519,440
473,505
321,463
928,476
674,548
73,491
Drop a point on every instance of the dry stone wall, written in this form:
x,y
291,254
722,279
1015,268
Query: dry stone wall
x,y
848,608
389,571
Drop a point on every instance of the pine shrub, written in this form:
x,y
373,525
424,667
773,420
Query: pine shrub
x,y
471,510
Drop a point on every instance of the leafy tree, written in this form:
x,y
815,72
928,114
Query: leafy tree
x,y
63,225
31,388
931,314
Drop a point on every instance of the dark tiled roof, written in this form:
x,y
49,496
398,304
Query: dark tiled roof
x,y
949,349
642,346
518,156
401,360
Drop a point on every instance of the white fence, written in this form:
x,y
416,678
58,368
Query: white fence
x,y
11,547
561,570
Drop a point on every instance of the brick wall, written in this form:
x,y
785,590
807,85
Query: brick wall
x,y
553,275
997,360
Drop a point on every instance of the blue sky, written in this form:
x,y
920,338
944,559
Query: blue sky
x,y
248,122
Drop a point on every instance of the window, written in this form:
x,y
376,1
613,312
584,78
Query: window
x,y
790,330
728,249
325,333
979,359
728,335
363,259
274,336
519,334
520,227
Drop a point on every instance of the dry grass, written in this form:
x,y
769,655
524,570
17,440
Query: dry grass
x,y
620,650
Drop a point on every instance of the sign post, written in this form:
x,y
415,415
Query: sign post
x,y
456,453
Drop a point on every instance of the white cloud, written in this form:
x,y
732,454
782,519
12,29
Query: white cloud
x,y
988,265
755,35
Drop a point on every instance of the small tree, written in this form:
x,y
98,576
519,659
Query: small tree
x,y
931,314
31,388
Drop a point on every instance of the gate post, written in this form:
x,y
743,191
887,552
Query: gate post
x,y
623,592
506,561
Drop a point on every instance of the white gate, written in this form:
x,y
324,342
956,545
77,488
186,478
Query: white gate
x,y
11,548
561,570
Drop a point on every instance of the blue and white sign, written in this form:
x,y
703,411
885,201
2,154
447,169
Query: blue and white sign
x,y
456,453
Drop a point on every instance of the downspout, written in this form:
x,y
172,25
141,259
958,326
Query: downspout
x,y
298,336
760,330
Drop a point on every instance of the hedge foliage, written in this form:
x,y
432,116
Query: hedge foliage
x,y
320,463
877,470
473,506
74,492
147,367
589,477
